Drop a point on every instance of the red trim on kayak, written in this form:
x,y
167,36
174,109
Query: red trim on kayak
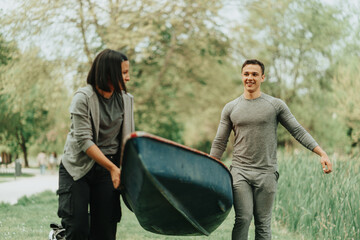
x,y
148,135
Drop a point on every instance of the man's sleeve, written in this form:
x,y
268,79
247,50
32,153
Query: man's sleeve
x,y
222,136
287,119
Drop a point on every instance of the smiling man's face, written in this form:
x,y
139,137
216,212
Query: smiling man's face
x,y
252,78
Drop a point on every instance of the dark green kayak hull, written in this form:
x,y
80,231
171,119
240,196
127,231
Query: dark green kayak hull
x,y
173,189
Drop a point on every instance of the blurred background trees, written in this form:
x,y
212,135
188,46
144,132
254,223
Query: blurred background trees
x,y
31,96
298,42
186,59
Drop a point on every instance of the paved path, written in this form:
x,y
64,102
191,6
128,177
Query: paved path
x,y
14,189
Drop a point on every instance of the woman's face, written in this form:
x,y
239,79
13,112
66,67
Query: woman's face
x,y
125,67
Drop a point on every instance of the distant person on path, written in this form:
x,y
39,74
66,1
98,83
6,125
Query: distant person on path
x,y
89,173
254,117
53,161
42,160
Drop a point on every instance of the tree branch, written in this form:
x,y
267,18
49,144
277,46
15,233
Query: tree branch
x,y
83,32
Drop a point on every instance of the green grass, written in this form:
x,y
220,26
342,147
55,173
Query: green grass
x,y
30,218
310,204
12,175
130,229
5,177
322,206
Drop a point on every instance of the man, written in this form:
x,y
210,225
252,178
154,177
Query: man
x,y
254,117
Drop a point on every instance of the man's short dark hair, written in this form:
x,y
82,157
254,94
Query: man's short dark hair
x,y
254,62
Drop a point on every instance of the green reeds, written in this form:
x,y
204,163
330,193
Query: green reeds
x,y
321,206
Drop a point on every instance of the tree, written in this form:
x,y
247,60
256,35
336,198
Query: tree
x,y
5,50
346,86
30,95
5,57
178,51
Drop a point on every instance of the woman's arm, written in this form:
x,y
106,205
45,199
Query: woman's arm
x,y
95,153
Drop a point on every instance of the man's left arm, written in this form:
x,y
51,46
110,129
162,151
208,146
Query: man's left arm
x,y
325,161
288,120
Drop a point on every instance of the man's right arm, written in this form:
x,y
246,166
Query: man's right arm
x,y
222,136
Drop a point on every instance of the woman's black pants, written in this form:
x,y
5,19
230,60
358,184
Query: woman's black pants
x,y
92,193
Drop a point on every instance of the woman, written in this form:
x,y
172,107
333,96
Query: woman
x,y
101,116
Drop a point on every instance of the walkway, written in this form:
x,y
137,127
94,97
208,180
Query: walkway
x,y
12,190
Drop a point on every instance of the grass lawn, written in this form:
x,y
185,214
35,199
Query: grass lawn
x,y
5,177
30,218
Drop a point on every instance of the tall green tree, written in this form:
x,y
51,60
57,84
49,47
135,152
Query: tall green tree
x,y
5,57
5,50
177,48
346,94
29,94
346,80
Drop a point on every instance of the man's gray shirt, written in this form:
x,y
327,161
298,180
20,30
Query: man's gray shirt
x,y
254,122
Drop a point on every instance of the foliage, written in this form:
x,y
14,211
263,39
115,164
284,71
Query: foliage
x,y
294,38
5,57
324,206
30,96
346,86
177,49
5,50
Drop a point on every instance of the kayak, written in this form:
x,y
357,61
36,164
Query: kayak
x,y
173,189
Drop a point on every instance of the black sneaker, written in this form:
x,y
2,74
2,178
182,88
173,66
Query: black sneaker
x,y
57,232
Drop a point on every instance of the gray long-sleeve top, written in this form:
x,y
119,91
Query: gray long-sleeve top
x,y
85,128
254,122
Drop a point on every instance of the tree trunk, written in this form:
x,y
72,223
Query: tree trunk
x,y
22,143
23,148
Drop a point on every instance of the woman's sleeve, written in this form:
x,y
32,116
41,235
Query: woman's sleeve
x,y
81,120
